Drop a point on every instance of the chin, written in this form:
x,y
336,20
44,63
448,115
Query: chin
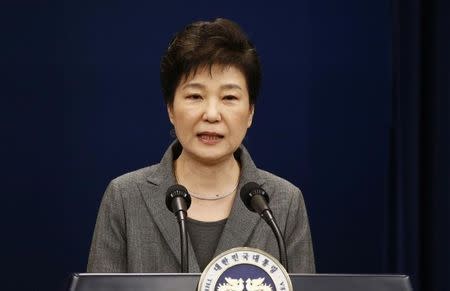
x,y
212,157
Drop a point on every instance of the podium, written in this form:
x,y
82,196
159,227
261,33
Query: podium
x,y
188,282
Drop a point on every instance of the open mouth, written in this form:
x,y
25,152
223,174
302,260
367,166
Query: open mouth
x,y
210,137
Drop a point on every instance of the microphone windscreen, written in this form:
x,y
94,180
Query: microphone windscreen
x,y
248,191
174,191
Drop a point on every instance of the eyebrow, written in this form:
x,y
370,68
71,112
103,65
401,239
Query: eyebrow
x,y
231,86
201,86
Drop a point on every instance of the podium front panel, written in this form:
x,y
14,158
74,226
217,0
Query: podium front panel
x,y
188,282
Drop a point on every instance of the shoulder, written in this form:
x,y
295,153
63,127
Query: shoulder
x,y
124,191
137,176
127,185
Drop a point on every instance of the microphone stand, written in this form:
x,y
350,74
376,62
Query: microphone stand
x,y
181,217
268,217
178,202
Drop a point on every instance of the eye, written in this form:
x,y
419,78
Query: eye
x,y
194,97
230,98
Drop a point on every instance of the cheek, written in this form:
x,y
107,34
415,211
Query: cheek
x,y
241,122
184,119
187,117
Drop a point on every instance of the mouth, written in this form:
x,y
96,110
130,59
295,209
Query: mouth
x,y
210,137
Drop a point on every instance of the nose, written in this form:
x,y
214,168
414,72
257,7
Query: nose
x,y
212,111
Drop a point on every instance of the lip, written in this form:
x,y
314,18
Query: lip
x,y
211,133
210,137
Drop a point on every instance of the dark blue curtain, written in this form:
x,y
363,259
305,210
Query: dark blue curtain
x,y
73,75
419,217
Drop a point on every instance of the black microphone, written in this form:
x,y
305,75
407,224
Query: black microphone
x,y
257,200
178,201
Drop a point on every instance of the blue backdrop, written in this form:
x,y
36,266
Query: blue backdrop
x,y
81,81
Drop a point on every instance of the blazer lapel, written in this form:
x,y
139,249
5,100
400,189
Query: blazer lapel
x,y
241,222
154,195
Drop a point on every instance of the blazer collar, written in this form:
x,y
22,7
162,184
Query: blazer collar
x,y
239,225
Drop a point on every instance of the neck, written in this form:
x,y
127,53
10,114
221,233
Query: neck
x,y
207,179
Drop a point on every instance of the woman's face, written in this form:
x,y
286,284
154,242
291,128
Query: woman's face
x,y
211,112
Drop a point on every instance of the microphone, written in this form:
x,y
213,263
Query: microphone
x,y
257,200
178,201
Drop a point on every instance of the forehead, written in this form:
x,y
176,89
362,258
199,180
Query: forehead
x,y
215,75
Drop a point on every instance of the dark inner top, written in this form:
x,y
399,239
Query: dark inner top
x,y
204,238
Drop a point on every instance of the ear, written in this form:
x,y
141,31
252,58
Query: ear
x,y
170,112
250,116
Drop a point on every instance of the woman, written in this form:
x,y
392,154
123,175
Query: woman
x,y
210,77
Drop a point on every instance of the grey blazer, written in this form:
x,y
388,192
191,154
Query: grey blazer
x,y
136,233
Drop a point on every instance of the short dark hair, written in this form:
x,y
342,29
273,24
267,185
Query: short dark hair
x,y
206,43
